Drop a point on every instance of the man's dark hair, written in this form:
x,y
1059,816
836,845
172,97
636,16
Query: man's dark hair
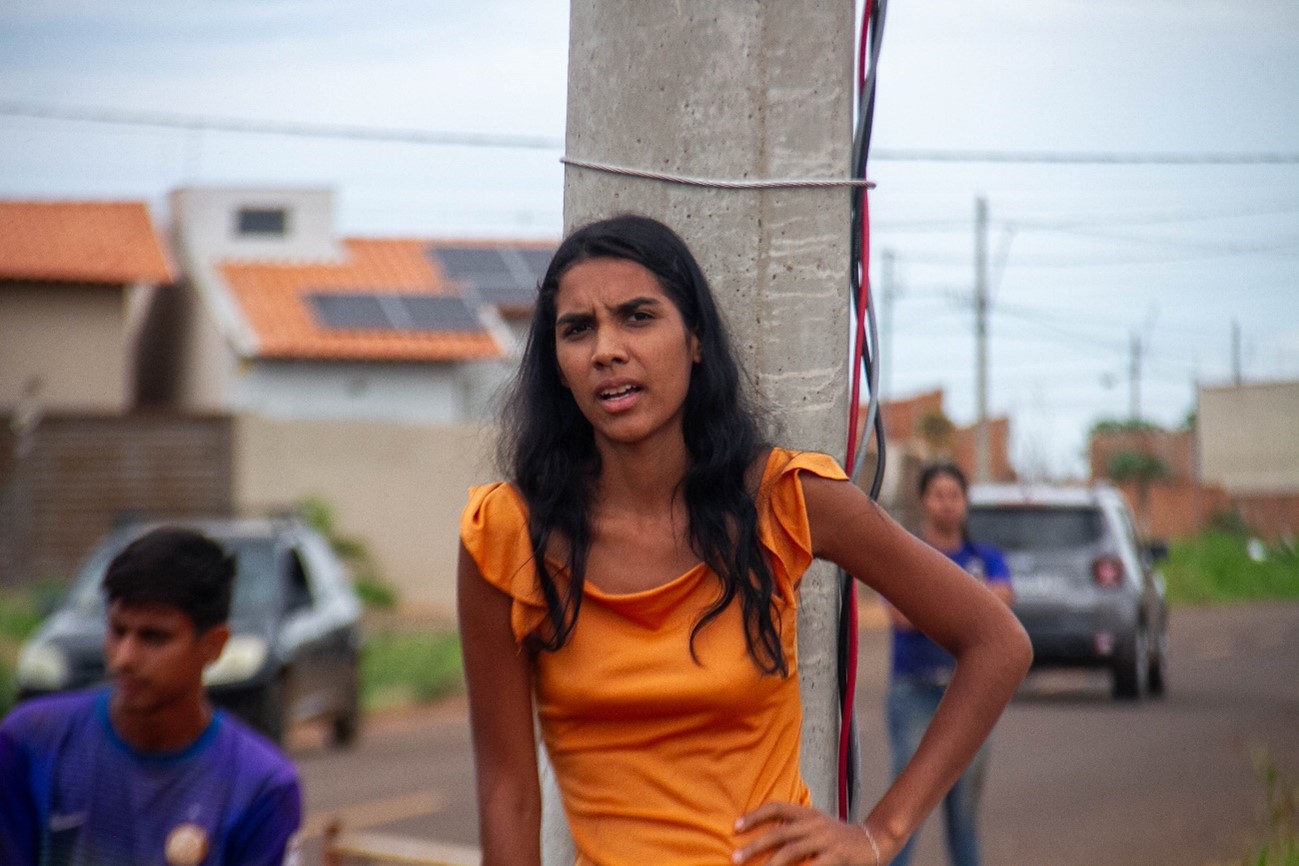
x,y
176,567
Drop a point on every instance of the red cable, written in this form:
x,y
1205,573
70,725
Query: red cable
x,y
862,50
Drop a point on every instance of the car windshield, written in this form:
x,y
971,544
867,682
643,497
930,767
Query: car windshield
x,y
1034,528
255,590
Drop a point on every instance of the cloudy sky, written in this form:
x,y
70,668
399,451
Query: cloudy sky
x,y
1085,256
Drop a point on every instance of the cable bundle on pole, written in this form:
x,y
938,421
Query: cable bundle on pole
x,y
864,363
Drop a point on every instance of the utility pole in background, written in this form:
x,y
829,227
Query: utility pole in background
x,y
1134,378
733,91
981,472
1235,353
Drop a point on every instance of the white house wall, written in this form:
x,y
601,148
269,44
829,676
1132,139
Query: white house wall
x,y
71,338
398,488
208,219
207,361
406,393
1249,437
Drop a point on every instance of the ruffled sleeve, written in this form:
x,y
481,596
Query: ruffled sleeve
x,y
783,513
494,530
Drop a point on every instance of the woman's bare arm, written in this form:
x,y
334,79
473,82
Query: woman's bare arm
x,y
959,613
498,675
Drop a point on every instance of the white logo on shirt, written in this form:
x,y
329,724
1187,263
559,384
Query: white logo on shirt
x,y
59,823
187,845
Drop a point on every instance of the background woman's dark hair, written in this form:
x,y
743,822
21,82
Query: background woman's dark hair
x,y
952,471
178,568
934,470
549,447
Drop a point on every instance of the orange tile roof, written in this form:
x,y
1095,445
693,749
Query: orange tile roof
x,y
74,241
273,297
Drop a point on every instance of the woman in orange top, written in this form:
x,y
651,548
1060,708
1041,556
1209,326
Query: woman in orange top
x,y
636,581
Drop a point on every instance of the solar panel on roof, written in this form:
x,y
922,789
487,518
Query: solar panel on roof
x,y
537,261
352,311
428,313
505,276
392,311
473,264
520,270
508,296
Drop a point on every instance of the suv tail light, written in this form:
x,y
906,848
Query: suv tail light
x,y
1108,571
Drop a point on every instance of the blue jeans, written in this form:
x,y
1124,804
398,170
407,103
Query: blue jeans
x,y
911,704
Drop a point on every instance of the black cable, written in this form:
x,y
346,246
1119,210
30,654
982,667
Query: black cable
x,y
872,29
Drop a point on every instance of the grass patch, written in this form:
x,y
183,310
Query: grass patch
x,y
1216,567
1278,832
19,617
400,666
374,593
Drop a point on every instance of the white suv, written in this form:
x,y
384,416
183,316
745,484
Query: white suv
x,y
1085,587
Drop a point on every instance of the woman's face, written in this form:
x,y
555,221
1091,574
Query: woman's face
x,y
623,350
944,503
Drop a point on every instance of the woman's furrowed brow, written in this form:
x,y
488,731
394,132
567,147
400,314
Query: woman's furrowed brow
x,y
571,319
623,309
635,304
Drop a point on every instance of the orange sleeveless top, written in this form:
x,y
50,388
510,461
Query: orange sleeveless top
x,y
657,755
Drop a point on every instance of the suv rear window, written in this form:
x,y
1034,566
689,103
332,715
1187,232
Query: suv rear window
x,y
1035,528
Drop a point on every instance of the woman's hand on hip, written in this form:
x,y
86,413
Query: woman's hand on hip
x,y
790,834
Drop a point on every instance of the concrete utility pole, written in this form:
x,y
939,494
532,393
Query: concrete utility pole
x,y
723,90
981,472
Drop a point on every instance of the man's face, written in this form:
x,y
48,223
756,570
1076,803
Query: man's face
x,y
155,657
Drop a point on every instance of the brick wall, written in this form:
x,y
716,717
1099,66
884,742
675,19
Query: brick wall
x,y
1271,515
1176,448
1175,509
1000,469
82,471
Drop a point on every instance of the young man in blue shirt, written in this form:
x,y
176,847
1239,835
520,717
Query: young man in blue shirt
x,y
146,772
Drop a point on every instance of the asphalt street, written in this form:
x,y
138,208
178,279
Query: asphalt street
x,y
1076,778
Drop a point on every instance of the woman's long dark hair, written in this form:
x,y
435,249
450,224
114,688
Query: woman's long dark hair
x,y
549,447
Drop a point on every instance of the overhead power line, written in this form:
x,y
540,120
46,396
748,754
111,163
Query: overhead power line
x,y
1128,218
1080,157
164,120
170,120
1284,248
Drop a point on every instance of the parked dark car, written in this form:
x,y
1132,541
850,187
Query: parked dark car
x,y
294,650
1085,586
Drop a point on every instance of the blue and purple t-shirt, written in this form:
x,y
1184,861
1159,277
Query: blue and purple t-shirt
x,y
914,654
73,793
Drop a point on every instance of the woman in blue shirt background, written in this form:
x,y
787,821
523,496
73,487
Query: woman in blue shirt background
x,y
921,669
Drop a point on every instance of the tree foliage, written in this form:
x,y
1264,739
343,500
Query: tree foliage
x,y
1136,466
370,586
937,430
1119,425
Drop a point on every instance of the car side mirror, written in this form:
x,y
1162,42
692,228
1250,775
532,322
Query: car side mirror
x,y
47,603
299,597
1157,550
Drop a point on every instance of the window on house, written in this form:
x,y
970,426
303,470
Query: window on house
x,y
263,221
390,311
